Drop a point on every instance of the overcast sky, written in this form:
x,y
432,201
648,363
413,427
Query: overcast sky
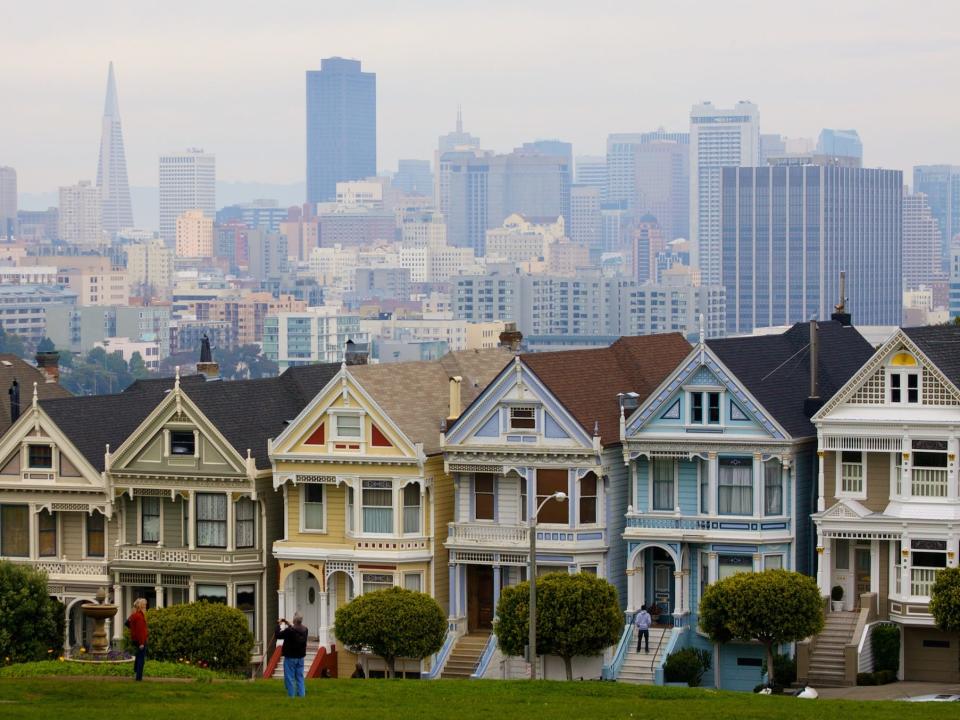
x,y
229,76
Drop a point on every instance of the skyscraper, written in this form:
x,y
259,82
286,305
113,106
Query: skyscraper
x,y
843,143
922,259
591,170
414,177
789,229
188,181
341,126
586,225
115,207
621,164
941,185
8,201
662,185
461,144
80,214
718,138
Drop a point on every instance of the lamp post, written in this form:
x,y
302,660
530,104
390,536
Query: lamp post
x,y
559,497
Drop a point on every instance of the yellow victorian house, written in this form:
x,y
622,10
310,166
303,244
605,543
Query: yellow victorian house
x,y
366,500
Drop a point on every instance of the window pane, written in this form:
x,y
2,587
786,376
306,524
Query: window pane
x,y
373,582
182,443
411,509
548,483
247,603
412,581
773,562
150,519
245,523
728,565
211,520
48,534
696,407
523,418
40,456
842,555
713,407
772,488
588,499
95,525
212,594
483,496
348,426
735,491
663,484
313,507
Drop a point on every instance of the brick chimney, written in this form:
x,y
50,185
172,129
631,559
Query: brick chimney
x,y
511,338
49,364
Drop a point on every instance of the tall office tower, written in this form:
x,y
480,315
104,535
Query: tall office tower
x,y
941,185
954,282
788,231
112,166
194,235
80,216
843,143
458,139
661,174
621,166
922,259
591,170
586,225
647,242
188,181
414,177
341,126
8,201
718,138
554,149
461,143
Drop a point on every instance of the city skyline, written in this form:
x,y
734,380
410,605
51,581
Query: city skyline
x,y
848,71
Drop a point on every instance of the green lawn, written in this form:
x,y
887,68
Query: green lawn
x,y
63,698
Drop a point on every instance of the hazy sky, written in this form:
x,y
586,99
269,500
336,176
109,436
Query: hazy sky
x,y
229,76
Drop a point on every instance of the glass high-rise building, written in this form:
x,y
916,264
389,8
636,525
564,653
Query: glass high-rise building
x,y
843,143
787,232
341,126
941,185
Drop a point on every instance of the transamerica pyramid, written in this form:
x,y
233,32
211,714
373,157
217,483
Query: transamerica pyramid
x,y
112,168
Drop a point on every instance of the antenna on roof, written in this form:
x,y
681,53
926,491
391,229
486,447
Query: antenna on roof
x,y
840,313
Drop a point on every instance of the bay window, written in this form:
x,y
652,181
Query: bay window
x,y
95,534
927,558
851,472
523,499
704,488
773,562
411,509
216,594
548,483
735,486
772,487
212,520
350,502
48,534
313,507
376,581
588,499
245,524
484,498
149,519
728,565
377,506
246,602
663,476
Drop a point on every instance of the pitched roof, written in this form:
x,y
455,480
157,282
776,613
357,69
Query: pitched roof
x,y
415,395
14,368
587,381
775,369
940,343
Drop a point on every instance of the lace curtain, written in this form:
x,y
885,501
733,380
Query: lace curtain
x,y
736,489
663,485
211,520
772,488
245,523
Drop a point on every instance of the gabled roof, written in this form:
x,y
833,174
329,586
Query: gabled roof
x,y
587,381
14,368
415,395
941,344
775,369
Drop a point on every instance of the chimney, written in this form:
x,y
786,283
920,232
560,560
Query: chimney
x,y
207,367
14,401
356,353
813,402
49,364
454,412
840,314
511,338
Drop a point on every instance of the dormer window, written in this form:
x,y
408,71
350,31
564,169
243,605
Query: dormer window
x,y
904,376
704,408
40,457
182,442
349,426
523,418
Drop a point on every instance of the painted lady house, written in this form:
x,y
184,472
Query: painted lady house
x,y
722,471
888,507
366,500
548,423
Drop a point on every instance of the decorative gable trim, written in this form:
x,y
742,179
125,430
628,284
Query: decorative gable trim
x,y
377,438
318,436
846,509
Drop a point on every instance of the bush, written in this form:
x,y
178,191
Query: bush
x,y
784,669
945,599
880,677
836,594
205,634
687,665
31,622
885,642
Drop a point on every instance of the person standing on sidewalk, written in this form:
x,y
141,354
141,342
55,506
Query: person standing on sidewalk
x,y
137,623
643,622
294,638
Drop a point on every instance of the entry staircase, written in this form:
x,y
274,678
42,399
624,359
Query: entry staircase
x,y
313,647
641,667
465,655
827,659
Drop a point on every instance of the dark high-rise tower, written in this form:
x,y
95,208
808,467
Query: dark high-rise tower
x,y
116,211
341,126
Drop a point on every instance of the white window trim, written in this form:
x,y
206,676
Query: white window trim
x,y
783,489
363,574
838,476
417,573
537,418
57,537
358,501
159,542
903,372
702,390
781,555
599,502
168,444
54,458
303,507
676,487
335,436
403,508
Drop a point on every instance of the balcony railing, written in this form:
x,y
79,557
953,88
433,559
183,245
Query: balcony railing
x,y
487,534
921,581
929,482
199,556
705,523
88,568
851,475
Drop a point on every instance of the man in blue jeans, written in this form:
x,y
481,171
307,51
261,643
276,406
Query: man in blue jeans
x,y
643,622
294,637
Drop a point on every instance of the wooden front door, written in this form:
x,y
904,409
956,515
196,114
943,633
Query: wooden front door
x,y
479,597
862,563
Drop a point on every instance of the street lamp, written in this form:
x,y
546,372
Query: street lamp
x,y
559,497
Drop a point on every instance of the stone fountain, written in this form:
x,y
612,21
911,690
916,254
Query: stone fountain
x,y
99,611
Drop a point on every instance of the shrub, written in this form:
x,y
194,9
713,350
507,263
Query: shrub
x,y
945,599
885,642
880,677
205,634
836,593
31,622
687,665
784,669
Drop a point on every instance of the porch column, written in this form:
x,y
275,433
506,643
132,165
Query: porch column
x,y
677,592
66,629
158,589
640,576
758,485
906,460
631,599
712,470
463,591
875,567
952,489
825,564
712,568
821,504
34,531
281,605
323,631
452,598
118,601
192,592
496,588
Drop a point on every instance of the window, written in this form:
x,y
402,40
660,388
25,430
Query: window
x,y
905,387
523,499
149,519
589,570
772,487
40,457
211,520
48,534
413,581
216,594
928,553
851,472
704,572
735,486
523,418
245,523
350,503
930,453
548,483
247,604
713,408
704,488
411,509
349,426
696,407
728,565
841,554
376,581
377,499
663,484
483,496
588,499
773,562
182,442
95,535
313,507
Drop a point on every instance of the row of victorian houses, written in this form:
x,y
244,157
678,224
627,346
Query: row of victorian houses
x,y
808,450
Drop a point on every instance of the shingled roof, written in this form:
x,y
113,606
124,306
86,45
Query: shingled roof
x,y
940,343
587,381
14,368
415,395
775,369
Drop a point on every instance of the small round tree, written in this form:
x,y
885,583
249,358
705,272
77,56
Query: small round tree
x,y
945,599
576,615
31,622
772,607
393,623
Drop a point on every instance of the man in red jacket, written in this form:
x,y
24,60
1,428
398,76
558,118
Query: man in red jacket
x,y
137,622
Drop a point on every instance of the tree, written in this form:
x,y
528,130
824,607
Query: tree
x,y
12,344
945,599
772,607
392,623
576,615
31,622
138,368
46,345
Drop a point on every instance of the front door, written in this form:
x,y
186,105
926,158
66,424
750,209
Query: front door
x,y
662,587
479,597
308,601
862,564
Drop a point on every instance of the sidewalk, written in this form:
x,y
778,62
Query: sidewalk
x,y
893,691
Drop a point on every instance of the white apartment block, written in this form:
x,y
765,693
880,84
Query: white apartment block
x,y
427,229
149,349
318,335
458,334
150,267
921,242
361,193
188,181
80,222
98,285
194,235
31,275
520,240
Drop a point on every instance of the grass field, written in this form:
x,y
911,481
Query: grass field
x,y
65,698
